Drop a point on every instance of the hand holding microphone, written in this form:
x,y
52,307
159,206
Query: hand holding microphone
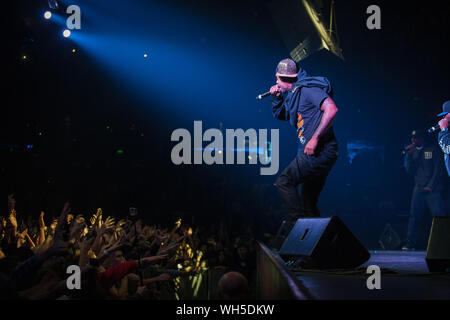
x,y
433,129
263,95
275,90
409,149
443,124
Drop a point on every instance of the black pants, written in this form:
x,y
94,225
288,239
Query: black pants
x,y
311,173
420,200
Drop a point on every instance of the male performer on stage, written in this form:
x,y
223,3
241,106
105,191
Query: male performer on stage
x,y
424,162
305,102
444,135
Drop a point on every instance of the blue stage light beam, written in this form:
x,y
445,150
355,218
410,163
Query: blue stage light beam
x,y
183,75
55,18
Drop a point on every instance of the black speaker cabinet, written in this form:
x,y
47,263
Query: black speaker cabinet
x,y
282,234
438,249
326,243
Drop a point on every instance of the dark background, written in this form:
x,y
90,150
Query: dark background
x,y
207,61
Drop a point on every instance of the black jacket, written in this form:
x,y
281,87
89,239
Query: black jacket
x,y
444,142
427,167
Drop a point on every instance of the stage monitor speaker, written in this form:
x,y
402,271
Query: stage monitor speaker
x,y
283,232
325,243
438,249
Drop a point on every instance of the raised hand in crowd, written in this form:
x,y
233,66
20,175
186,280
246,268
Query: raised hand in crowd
x,y
62,220
98,244
85,246
77,228
96,218
114,244
53,226
11,202
108,225
59,245
41,235
149,260
23,237
11,227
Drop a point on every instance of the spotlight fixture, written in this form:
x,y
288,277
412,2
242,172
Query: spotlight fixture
x,y
53,4
66,33
304,27
47,15
330,40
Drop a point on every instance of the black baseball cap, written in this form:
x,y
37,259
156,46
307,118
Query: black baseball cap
x,y
445,108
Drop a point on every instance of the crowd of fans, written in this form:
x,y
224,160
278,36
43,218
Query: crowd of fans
x,y
117,259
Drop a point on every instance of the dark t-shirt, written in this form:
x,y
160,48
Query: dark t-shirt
x,y
305,105
427,167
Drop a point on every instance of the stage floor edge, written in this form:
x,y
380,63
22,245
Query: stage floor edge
x,y
404,276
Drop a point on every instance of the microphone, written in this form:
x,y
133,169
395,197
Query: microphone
x,y
407,148
433,129
263,95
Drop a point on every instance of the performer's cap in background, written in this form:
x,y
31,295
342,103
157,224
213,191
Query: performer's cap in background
x,y
287,68
445,108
